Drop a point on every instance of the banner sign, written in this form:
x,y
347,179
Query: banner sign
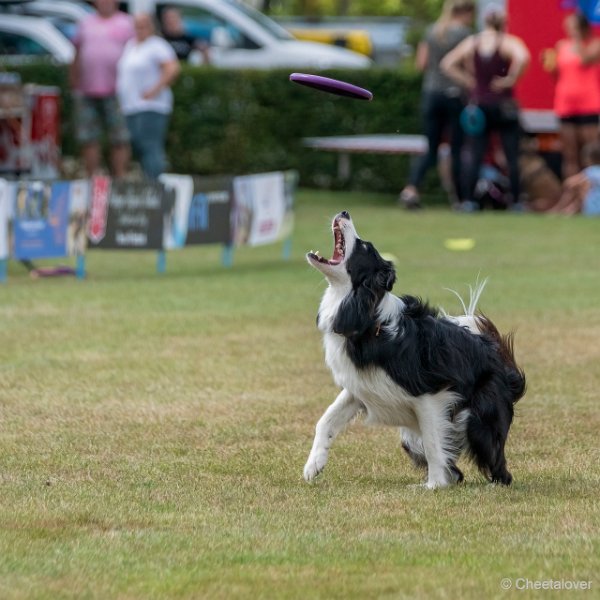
x,y
49,219
78,217
127,214
260,208
99,209
54,219
4,202
176,220
209,215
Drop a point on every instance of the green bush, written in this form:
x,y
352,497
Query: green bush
x,y
240,122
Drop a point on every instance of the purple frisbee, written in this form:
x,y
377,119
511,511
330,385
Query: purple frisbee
x,y
333,86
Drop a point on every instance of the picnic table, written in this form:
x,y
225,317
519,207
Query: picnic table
x,y
532,121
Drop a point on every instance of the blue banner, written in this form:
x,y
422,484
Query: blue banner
x,y
41,219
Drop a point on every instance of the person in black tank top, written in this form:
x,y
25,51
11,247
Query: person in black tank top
x,y
489,64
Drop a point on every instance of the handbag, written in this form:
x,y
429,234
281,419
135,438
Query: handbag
x,y
472,119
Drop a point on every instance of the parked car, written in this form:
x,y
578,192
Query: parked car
x,y
26,39
387,36
241,37
356,40
64,15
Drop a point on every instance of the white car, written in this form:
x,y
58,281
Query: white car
x,y
24,39
64,15
241,37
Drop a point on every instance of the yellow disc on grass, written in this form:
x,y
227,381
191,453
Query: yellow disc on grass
x,y
460,244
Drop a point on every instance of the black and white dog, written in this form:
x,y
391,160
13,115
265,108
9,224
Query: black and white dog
x,y
449,383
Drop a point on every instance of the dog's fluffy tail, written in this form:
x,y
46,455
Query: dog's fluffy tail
x,y
516,376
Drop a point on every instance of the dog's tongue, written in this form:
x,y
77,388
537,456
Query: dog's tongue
x,y
338,245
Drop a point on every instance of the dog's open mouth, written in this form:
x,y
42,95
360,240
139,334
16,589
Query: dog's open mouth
x,y
339,247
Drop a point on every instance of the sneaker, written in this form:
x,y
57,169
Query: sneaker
x,y
409,200
468,206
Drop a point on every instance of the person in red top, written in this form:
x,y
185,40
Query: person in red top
x,y
577,94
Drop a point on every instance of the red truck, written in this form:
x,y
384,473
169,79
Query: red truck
x,y
539,24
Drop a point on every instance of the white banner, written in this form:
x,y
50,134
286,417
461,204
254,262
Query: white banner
x,y
176,222
260,208
78,215
4,208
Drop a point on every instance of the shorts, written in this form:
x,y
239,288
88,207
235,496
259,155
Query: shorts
x,y
589,119
96,116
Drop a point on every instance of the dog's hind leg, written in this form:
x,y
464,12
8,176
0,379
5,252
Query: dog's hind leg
x,y
335,418
437,433
487,430
412,444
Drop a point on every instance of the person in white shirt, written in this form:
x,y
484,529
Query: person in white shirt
x,y
145,73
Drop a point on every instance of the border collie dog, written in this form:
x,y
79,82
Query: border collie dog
x,y
448,383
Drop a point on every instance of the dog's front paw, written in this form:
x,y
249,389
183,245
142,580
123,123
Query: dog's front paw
x,y
315,464
436,484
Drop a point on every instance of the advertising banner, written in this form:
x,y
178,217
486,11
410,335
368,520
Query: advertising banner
x,y
79,200
209,215
41,218
176,220
4,202
127,214
260,208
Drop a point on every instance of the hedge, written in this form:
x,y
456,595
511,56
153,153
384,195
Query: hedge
x,y
240,122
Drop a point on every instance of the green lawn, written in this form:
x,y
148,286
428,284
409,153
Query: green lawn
x,y
154,428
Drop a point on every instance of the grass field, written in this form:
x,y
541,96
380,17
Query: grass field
x,y
154,428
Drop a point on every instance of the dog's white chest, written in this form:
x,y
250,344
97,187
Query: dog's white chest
x,y
385,402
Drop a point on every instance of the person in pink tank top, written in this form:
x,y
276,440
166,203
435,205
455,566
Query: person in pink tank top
x,y
99,44
574,62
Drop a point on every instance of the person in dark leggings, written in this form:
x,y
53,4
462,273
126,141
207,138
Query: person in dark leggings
x,y
442,99
489,64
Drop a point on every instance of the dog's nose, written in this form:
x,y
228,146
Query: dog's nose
x,y
345,214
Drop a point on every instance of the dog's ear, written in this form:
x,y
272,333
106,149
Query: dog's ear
x,y
355,314
386,277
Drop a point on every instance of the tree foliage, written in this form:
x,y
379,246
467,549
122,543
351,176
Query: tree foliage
x,y
424,10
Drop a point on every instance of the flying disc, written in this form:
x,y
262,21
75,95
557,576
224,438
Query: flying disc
x,y
333,86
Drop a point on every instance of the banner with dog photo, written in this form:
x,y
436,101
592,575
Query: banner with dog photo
x,y
201,213
128,214
49,219
4,204
263,208
176,220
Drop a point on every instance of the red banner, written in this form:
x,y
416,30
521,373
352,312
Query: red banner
x,y
99,209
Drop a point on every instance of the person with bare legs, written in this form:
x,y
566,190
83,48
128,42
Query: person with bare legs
x,y
574,63
99,43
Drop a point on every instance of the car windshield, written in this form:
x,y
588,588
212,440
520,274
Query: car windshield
x,y
276,30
